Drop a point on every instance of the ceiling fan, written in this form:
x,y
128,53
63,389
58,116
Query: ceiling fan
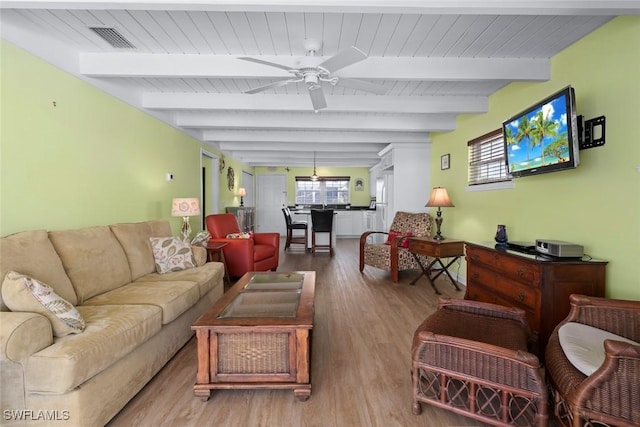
x,y
314,75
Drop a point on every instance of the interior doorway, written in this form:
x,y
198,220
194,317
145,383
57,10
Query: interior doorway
x,y
272,196
209,185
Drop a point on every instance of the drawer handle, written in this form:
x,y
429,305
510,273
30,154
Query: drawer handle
x,y
475,275
520,272
521,296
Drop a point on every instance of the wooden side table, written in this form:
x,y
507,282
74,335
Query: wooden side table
x,y
436,249
215,254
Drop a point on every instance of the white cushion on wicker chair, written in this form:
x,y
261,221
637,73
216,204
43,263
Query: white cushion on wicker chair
x,y
584,345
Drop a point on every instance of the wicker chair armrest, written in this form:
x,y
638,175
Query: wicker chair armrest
x,y
613,382
484,308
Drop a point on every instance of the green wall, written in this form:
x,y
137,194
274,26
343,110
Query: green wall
x,y
73,156
358,198
597,204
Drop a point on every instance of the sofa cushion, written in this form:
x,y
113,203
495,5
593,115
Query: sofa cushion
x,y
171,254
25,294
584,345
93,259
134,239
207,276
32,253
112,332
174,298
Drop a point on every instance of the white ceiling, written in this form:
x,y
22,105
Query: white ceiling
x,y
436,59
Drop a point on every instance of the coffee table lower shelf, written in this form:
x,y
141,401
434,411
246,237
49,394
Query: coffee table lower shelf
x,y
253,358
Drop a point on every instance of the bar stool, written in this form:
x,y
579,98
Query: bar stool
x,y
321,222
294,225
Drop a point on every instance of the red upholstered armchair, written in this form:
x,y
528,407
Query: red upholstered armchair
x,y
258,253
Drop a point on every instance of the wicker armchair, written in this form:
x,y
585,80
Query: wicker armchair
x,y
611,395
394,257
471,358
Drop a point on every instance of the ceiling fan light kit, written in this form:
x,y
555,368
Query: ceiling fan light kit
x,y
314,75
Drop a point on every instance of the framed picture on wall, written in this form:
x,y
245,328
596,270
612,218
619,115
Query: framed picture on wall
x,y
444,161
359,184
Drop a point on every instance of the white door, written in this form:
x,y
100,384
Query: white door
x,y
272,196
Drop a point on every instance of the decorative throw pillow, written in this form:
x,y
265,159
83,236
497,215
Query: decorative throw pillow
x,y
394,234
171,254
23,293
584,345
201,238
239,235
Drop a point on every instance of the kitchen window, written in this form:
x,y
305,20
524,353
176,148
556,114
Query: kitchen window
x,y
326,190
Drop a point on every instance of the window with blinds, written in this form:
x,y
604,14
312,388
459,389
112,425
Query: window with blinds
x,y
327,190
486,159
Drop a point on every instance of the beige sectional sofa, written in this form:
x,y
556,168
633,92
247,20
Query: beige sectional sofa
x,y
136,320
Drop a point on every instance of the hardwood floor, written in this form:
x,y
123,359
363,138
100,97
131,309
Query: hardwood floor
x,y
360,368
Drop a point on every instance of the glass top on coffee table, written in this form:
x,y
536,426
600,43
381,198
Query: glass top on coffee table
x,y
275,281
263,304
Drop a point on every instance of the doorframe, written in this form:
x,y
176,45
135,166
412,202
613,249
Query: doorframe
x,y
215,183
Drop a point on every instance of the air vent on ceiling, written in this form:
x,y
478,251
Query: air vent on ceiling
x,y
113,37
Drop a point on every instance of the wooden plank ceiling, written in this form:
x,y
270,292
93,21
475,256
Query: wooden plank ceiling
x,y
434,59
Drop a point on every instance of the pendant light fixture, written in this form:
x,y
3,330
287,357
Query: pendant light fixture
x,y
315,176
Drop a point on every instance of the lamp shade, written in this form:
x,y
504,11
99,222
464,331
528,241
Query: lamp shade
x,y
242,192
185,207
439,199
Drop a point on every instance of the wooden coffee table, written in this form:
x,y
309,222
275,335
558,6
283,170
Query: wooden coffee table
x,y
258,335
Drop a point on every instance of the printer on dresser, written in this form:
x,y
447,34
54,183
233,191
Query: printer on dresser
x,y
538,284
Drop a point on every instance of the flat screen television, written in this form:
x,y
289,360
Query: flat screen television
x,y
544,137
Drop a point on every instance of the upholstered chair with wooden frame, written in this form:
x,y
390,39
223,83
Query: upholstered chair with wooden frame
x,y
393,255
610,396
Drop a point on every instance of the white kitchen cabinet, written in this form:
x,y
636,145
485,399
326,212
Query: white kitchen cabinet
x,y
349,223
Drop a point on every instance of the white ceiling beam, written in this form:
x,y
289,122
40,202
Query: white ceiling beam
x,y
266,147
320,121
313,136
269,102
491,7
308,155
392,68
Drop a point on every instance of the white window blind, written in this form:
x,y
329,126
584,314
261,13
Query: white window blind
x,y
486,159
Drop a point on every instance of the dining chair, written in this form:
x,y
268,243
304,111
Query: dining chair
x,y
321,222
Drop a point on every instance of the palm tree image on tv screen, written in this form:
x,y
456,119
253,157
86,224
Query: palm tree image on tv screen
x,y
540,137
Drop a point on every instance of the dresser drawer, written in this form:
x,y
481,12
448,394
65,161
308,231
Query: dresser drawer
x,y
496,285
481,256
520,270
480,274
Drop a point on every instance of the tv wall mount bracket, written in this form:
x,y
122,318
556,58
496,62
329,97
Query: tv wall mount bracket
x,y
591,132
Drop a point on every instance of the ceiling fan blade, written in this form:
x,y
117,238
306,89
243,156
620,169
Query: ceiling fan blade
x,y
362,85
279,83
271,64
343,59
317,99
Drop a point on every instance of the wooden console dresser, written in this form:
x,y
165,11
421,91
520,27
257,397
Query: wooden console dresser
x,y
538,284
